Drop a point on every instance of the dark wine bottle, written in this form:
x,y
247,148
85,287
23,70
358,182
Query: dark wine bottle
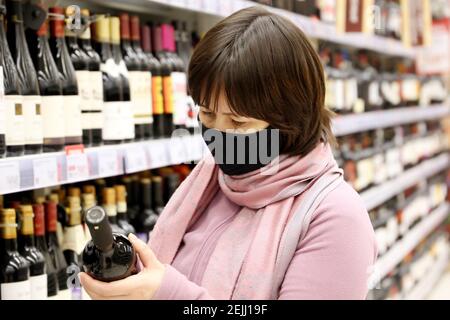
x,y
71,99
3,42
171,182
158,200
54,250
14,268
122,214
145,106
147,216
166,74
41,245
80,61
93,111
35,258
110,207
49,80
135,78
126,121
112,132
31,103
157,93
132,197
108,256
13,129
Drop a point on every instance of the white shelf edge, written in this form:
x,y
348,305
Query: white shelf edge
x,y
426,284
353,123
400,249
379,194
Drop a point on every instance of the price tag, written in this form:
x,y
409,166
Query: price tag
x,y
158,153
45,172
10,177
77,163
108,163
177,150
135,159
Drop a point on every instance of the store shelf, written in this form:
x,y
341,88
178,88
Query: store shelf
x,y
426,284
312,27
354,123
379,194
401,248
50,169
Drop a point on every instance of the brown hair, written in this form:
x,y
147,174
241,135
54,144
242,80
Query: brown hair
x,y
268,70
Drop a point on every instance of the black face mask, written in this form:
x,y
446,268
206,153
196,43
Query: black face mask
x,y
239,153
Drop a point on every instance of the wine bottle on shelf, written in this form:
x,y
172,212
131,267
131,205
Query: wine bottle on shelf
x,y
54,249
93,111
178,75
31,100
15,272
171,183
158,199
71,99
147,218
41,245
35,258
49,80
13,129
3,42
109,204
132,187
108,256
126,106
112,132
156,86
166,73
80,62
122,214
88,201
137,86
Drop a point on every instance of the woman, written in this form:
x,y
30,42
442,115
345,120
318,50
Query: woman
x,y
264,217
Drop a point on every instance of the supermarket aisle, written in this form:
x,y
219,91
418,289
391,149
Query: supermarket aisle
x,y
441,291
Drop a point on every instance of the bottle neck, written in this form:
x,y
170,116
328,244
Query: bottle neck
x,y
52,238
9,244
26,240
147,197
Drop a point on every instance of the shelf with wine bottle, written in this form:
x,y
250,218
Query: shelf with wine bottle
x,y
50,169
313,28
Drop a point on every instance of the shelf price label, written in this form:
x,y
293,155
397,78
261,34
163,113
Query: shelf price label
x,y
177,150
158,153
77,163
135,159
45,172
108,163
10,177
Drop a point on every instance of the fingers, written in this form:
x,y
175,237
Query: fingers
x,y
146,254
98,289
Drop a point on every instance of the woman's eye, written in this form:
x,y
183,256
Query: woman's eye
x,y
237,123
207,114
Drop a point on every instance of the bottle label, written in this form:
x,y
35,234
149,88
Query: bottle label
x,y
2,104
157,95
374,93
96,85
168,94
15,122
86,121
179,98
39,287
140,88
33,119
351,93
109,67
96,120
84,88
74,239
339,94
410,89
126,119
72,116
20,290
52,109
112,124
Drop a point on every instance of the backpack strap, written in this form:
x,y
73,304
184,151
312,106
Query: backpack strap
x,y
298,225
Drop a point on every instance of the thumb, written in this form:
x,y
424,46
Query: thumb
x,y
146,254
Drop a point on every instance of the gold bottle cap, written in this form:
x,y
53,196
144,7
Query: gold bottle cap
x,y
74,210
53,197
157,179
26,217
86,33
109,196
89,188
121,193
102,32
88,200
40,200
145,181
114,25
8,226
74,192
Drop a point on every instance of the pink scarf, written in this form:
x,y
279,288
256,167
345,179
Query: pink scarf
x,y
243,261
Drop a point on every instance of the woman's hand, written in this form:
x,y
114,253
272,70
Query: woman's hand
x,y
141,286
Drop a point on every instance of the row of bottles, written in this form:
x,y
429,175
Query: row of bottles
x,y
43,233
109,80
359,83
373,157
